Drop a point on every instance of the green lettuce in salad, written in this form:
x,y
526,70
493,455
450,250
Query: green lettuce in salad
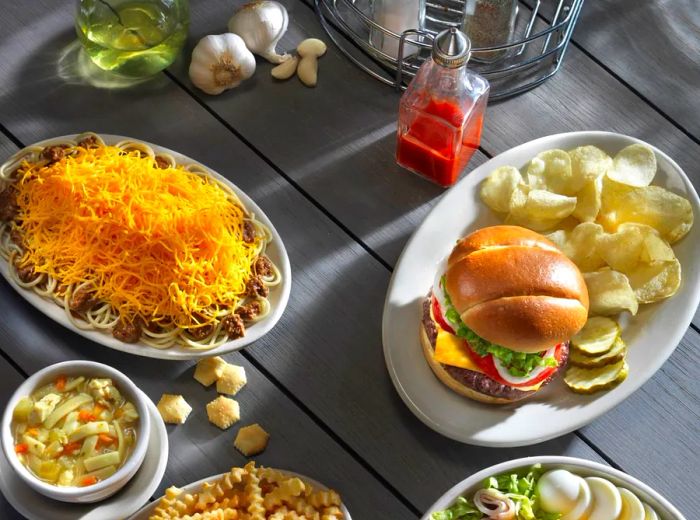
x,y
518,364
522,490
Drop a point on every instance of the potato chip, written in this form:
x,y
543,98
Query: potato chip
x,y
560,237
546,205
519,215
670,214
580,245
551,170
609,292
656,249
621,250
498,188
655,281
634,166
534,224
588,200
588,163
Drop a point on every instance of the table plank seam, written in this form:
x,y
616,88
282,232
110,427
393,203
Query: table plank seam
x,y
13,363
11,136
599,451
622,81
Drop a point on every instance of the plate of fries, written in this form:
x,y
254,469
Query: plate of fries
x,y
622,210
248,492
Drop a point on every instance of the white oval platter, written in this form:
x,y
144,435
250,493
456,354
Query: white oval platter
x,y
652,335
279,295
581,467
147,510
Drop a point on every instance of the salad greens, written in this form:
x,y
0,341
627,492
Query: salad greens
x,y
522,490
518,364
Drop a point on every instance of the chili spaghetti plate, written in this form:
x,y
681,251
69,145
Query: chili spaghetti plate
x,y
248,229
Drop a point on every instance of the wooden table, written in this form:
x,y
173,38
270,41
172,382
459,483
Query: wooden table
x,y
321,164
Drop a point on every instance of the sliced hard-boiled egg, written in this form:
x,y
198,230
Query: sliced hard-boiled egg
x,y
583,502
632,507
649,513
607,502
558,491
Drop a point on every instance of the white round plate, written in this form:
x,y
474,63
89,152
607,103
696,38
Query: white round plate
x,y
581,467
652,335
147,510
138,490
279,295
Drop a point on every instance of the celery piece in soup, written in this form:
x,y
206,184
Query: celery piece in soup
x,y
91,428
66,408
100,461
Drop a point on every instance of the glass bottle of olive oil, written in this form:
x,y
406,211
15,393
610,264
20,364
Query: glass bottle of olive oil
x,y
135,38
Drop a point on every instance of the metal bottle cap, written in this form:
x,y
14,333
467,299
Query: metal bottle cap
x,y
451,48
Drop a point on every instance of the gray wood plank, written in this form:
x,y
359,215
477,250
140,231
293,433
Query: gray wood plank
x,y
654,434
325,362
652,46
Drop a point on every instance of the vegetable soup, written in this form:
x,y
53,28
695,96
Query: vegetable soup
x,y
75,431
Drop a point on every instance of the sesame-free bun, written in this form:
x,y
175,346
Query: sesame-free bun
x,y
513,287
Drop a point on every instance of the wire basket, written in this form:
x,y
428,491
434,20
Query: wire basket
x,y
534,55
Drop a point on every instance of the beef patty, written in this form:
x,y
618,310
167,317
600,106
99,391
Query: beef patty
x,y
476,380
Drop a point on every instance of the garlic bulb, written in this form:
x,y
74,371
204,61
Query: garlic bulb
x,y
261,24
220,62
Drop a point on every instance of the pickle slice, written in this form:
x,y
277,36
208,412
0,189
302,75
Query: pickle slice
x,y
614,355
597,336
591,380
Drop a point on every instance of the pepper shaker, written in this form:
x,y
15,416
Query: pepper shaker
x,y
489,23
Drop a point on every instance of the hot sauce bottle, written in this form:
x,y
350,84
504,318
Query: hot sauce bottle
x,y
442,112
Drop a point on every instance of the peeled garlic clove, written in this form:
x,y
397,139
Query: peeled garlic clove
x,y
310,50
312,47
261,24
286,69
220,62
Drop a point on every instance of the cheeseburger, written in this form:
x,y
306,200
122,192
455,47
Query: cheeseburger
x,y
497,322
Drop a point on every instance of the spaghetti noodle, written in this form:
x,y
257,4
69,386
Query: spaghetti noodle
x,y
129,241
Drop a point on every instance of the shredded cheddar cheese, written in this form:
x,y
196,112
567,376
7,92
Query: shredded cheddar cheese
x,y
164,244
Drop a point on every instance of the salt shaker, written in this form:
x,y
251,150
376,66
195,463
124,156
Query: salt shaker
x,y
441,113
397,16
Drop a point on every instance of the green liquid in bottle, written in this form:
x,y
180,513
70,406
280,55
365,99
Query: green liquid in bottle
x,y
135,39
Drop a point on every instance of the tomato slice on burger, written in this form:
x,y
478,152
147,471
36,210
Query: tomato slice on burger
x,y
439,318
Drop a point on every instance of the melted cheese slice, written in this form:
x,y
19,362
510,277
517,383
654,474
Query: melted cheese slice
x,y
451,350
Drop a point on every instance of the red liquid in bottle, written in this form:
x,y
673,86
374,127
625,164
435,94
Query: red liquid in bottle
x,y
438,141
